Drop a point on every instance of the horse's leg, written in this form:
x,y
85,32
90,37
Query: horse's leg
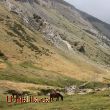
x,y
57,99
51,99
13,96
17,96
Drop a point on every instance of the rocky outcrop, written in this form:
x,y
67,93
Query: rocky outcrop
x,y
38,23
54,37
12,7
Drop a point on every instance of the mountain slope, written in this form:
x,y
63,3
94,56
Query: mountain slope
x,y
50,42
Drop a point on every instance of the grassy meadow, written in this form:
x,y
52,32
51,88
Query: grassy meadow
x,y
97,101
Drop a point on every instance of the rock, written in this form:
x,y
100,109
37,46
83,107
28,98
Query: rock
x,y
81,49
71,90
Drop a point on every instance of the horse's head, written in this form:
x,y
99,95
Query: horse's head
x,y
61,97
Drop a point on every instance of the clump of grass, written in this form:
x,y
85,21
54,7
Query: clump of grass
x,y
94,85
10,33
18,43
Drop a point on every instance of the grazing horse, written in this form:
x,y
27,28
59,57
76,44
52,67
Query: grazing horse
x,y
17,93
55,95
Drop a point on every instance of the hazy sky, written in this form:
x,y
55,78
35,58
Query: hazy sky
x,y
97,8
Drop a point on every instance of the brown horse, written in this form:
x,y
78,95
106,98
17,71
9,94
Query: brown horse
x,y
14,93
17,93
55,95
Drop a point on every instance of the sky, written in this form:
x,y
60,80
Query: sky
x,y
97,8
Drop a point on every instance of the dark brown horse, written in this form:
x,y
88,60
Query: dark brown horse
x,y
55,95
